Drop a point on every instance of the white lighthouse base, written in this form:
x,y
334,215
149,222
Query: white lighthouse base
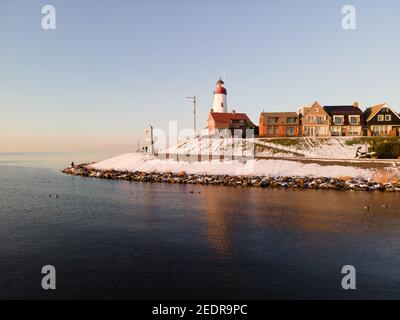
x,y
220,103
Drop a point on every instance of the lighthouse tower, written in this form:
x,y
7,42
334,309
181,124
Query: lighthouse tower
x,y
220,97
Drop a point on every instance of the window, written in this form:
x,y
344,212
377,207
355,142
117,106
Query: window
x,y
354,131
310,118
380,117
275,131
335,131
380,130
241,122
321,131
270,130
290,131
385,110
291,120
309,131
320,120
388,117
337,120
272,120
235,125
354,120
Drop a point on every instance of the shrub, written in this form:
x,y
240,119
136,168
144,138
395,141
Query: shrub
x,y
389,150
371,140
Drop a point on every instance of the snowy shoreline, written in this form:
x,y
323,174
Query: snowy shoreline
x,y
250,167
252,173
356,184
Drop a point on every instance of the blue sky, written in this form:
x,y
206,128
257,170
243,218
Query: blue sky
x,y
111,68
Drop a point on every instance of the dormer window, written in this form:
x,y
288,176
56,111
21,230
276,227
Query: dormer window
x,y
354,120
337,120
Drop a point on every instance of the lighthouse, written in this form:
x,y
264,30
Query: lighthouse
x,y
220,97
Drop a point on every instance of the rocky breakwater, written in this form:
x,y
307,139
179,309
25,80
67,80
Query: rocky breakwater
x,y
358,184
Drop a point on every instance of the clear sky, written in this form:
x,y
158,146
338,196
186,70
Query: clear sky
x,y
111,68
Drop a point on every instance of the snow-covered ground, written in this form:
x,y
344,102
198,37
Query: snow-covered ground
x,y
274,167
332,148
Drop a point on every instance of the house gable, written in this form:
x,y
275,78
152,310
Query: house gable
x,y
382,114
316,110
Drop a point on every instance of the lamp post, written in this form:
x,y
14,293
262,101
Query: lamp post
x,y
194,113
149,138
152,141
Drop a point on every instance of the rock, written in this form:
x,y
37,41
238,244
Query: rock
x,y
181,174
244,181
264,184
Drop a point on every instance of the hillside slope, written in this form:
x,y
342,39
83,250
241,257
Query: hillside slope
x,y
272,167
332,148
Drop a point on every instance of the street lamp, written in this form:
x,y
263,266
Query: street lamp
x,y
194,113
149,138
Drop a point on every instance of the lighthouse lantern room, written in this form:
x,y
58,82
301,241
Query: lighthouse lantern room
x,y
220,97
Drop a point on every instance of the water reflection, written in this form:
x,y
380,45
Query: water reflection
x,y
183,241
217,208
314,215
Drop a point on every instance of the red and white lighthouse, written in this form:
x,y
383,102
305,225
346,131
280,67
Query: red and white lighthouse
x,y
220,97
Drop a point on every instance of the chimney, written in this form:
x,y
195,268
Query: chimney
x,y
355,104
233,111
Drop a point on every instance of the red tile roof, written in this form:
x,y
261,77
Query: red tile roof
x,y
226,116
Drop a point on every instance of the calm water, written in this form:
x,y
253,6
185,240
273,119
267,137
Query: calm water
x,y
116,239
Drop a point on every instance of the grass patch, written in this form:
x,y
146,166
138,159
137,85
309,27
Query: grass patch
x,y
385,147
260,148
283,142
372,140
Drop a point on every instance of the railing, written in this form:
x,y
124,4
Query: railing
x,y
204,157
244,158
